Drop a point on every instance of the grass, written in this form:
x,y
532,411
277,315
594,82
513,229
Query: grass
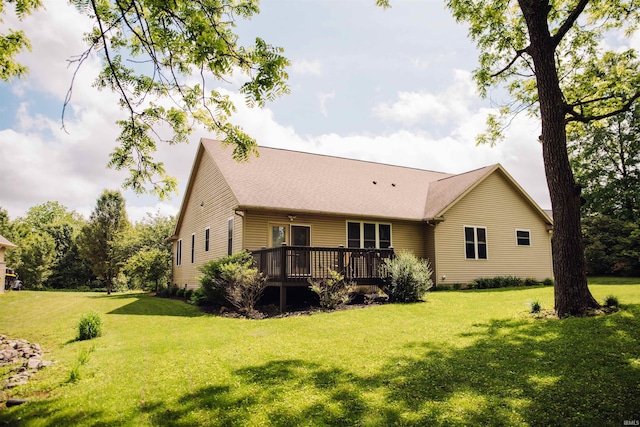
x,y
460,358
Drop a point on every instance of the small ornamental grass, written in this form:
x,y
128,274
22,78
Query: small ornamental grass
x,y
611,301
535,306
89,326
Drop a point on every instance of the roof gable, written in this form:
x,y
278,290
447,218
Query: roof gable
x,y
444,194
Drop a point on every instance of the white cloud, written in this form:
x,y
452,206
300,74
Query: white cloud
x,y
306,67
323,98
450,105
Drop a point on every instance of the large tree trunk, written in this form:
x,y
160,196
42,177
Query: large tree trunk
x,y
572,296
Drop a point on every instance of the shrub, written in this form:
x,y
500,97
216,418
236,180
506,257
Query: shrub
x,y
165,292
173,290
90,326
535,307
188,293
547,282
530,281
503,282
332,291
198,297
233,280
611,301
408,278
180,293
244,285
214,285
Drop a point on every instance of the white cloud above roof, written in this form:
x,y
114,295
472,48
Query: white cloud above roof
x,y
307,67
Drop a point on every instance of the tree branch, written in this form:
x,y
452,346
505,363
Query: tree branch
x,y
109,61
571,19
519,53
579,117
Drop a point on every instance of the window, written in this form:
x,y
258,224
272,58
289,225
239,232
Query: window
x,y
278,235
384,236
193,248
353,234
368,235
179,252
523,237
230,236
475,242
206,240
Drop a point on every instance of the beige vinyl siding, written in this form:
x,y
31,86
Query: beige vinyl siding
x,y
430,248
210,204
497,206
329,230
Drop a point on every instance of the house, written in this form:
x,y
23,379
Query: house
x,y
4,245
305,213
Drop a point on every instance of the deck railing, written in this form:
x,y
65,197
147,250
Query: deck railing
x,y
298,264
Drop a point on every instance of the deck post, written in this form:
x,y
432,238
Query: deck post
x,y
283,298
283,263
341,259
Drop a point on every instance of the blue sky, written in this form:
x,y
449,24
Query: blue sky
x,y
392,86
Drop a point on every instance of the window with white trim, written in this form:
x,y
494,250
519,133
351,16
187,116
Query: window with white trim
x,y
523,237
179,252
475,242
368,235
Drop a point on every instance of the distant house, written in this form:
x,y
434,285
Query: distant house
x,y
305,213
4,245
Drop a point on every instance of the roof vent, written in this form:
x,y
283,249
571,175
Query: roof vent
x,y
375,182
392,184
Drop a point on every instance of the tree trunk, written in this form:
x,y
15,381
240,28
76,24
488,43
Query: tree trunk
x,y
572,295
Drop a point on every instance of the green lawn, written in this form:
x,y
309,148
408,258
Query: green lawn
x,y
460,358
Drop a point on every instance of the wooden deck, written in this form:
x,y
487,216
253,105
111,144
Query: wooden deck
x,y
288,266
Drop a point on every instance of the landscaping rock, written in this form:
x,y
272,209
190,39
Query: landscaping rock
x,y
27,356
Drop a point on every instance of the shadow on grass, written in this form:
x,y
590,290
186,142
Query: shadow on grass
x,y
149,305
50,413
577,371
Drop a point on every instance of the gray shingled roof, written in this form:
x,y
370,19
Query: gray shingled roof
x,y
302,182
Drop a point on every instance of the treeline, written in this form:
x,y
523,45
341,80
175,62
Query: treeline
x,y
605,157
59,249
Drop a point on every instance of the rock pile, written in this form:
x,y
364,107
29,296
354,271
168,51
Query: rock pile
x,y
27,357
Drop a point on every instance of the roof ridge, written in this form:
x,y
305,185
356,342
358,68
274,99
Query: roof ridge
x,y
468,172
351,159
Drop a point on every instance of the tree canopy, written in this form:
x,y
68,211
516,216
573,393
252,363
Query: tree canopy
x,y
100,238
605,156
161,58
